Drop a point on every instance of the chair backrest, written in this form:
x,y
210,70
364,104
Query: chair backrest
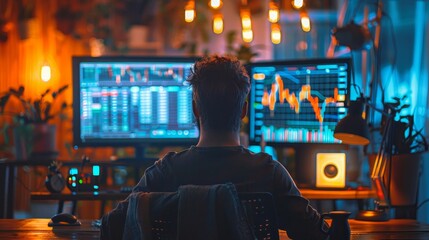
x,y
259,210
261,214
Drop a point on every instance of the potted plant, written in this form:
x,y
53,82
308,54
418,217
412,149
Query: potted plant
x,y
33,134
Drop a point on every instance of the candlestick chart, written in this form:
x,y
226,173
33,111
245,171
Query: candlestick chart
x,y
298,103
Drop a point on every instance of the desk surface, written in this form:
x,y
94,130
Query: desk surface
x,y
350,194
38,229
82,196
315,194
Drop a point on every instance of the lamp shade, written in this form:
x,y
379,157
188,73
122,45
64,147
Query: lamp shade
x,y
353,129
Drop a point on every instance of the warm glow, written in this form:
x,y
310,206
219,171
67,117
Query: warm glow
x,y
305,23
45,73
218,24
273,13
258,76
298,3
247,35
215,4
246,22
276,35
190,11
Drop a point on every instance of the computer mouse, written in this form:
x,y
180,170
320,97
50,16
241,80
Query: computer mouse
x,y
64,219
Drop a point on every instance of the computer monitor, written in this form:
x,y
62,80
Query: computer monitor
x,y
132,101
300,101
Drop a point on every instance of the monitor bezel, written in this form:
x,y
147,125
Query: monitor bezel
x,y
120,142
347,60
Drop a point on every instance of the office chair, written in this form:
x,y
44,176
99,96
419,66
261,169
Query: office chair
x,y
259,210
261,214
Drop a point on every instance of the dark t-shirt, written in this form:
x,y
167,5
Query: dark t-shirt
x,y
248,171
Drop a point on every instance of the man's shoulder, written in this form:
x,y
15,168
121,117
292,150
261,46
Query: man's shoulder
x,y
170,157
260,155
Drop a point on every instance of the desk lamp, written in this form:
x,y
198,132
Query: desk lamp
x,y
353,130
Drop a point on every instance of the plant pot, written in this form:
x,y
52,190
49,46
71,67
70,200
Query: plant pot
x,y
404,178
35,141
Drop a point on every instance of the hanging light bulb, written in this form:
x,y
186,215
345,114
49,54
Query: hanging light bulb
x,y
190,11
305,22
218,23
273,12
45,72
246,22
276,34
298,3
247,35
215,4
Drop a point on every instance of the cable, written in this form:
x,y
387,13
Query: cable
x,y
353,81
422,203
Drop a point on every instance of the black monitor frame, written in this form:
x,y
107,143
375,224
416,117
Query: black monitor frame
x,y
311,61
136,142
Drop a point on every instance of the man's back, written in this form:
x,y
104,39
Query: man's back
x,y
248,171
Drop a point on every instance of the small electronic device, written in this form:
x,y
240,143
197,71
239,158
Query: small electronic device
x,y
55,181
331,170
84,181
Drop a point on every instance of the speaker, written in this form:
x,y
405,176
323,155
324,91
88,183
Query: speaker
x,y
330,170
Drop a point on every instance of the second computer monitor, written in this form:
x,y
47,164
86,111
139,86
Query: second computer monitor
x,y
298,101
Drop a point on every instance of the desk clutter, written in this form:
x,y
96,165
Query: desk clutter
x,y
77,180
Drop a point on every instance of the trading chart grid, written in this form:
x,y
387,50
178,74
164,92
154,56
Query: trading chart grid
x,y
135,100
298,103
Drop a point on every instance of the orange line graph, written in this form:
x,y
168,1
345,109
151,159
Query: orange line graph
x,y
269,99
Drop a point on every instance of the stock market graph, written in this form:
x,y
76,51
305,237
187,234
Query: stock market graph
x,y
135,100
298,102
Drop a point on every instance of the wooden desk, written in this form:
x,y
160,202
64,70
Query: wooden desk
x,y
346,194
313,194
102,196
38,229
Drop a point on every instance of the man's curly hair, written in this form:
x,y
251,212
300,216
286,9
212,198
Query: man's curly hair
x,y
220,87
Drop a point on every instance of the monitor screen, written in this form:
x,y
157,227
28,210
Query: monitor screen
x,y
132,101
298,101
